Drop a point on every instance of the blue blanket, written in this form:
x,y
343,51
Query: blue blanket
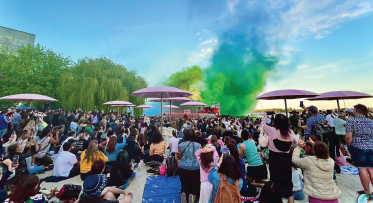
x,y
162,189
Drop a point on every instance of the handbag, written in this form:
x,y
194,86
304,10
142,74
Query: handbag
x,y
179,154
263,138
69,192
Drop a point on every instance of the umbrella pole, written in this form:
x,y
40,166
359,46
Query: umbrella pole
x,y
286,108
161,112
339,109
29,106
170,110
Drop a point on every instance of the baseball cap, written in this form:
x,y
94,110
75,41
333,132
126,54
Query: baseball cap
x,y
312,108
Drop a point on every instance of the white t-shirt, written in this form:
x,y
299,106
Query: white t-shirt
x,y
330,119
44,146
297,177
64,163
175,142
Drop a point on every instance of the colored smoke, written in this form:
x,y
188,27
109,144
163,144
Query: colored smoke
x,y
239,65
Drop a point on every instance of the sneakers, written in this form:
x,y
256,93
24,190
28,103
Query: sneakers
x,y
183,198
192,198
150,172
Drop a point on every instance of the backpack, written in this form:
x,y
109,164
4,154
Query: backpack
x,y
322,132
172,167
227,192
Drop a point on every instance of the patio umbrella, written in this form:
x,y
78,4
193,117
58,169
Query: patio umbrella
x,y
118,103
144,107
29,97
286,94
193,104
170,107
161,92
337,95
172,99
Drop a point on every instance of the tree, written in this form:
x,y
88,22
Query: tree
x,y
29,69
92,82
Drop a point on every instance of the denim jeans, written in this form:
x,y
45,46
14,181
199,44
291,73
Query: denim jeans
x,y
299,195
123,187
2,132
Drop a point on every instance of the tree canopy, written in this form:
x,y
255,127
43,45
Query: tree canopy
x,y
86,84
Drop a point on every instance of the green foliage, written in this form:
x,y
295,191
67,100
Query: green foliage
x,y
34,70
87,84
185,78
92,82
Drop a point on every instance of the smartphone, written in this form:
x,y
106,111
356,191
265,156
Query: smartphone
x,y
270,113
32,130
301,104
307,137
132,161
15,160
226,151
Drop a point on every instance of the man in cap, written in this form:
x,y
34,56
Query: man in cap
x,y
314,120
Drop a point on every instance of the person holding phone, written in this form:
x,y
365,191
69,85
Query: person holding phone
x,y
15,150
280,137
44,142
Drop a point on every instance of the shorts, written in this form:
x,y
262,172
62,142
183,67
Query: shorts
x,y
255,172
342,139
363,158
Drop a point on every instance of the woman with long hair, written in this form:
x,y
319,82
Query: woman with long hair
x,y
27,191
90,155
248,190
207,158
157,148
226,173
133,150
189,167
113,148
122,171
317,173
281,137
144,146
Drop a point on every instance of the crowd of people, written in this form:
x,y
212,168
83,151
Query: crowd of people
x,y
221,159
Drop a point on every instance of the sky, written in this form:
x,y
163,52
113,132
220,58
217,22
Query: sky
x,y
321,45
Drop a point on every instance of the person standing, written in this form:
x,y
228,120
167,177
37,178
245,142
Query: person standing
x,y
280,138
340,130
189,168
359,139
4,122
17,120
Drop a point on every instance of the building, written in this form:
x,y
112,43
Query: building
x,y
15,38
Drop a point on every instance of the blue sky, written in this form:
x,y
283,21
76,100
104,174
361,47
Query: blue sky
x,y
321,45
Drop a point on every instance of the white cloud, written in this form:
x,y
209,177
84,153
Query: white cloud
x,y
197,33
231,5
302,66
306,17
283,63
200,38
316,76
329,66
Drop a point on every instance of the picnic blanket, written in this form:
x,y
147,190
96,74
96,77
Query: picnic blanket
x,y
162,189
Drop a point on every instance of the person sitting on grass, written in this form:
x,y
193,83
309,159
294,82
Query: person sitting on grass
x,y
95,184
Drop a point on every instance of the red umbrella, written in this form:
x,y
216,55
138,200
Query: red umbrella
x,y
287,94
161,92
29,98
337,95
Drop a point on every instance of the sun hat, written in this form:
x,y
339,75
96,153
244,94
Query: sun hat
x,y
94,185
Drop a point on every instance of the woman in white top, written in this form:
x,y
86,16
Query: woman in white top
x,y
173,143
44,142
